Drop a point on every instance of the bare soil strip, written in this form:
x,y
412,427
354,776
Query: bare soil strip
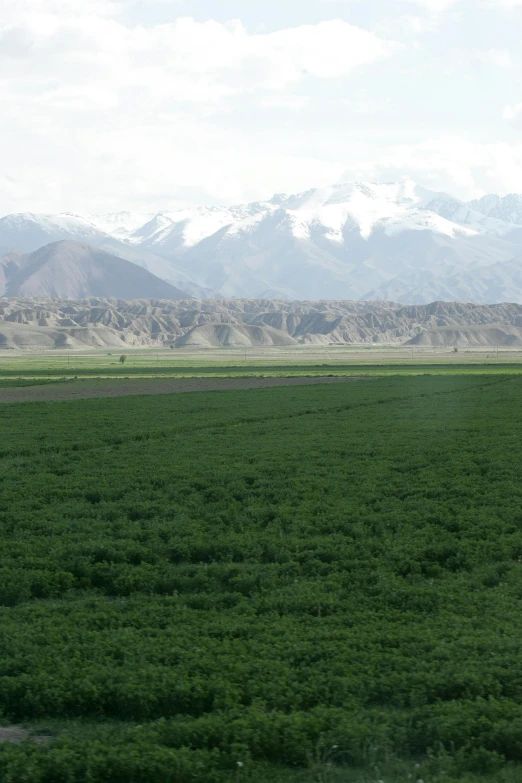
x,y
85,390
17,734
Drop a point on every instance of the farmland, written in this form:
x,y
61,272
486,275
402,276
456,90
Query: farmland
x,y
237,362
314,583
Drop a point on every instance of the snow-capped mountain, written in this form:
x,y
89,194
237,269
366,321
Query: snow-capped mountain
x,y
347,241
27,232
508,208
120,225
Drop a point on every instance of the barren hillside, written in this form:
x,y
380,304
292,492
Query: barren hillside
x,y
46,323
71,270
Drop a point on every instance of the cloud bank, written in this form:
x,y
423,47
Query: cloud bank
x,y
101,112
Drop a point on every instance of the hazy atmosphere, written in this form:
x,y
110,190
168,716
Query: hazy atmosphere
x,y
260,391
154,105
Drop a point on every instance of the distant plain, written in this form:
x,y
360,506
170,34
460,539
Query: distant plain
x,y
269,362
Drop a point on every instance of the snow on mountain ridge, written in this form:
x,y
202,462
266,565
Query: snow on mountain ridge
x,y
191,225
120,225
506,208
347,240
368,203
67,221
385,206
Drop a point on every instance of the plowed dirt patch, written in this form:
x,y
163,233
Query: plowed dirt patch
x,y
84,390
16,734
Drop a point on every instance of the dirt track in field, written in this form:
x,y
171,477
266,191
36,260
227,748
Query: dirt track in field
x,y
85,390
16,734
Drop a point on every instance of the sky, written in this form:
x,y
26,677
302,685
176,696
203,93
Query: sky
x,y
148,105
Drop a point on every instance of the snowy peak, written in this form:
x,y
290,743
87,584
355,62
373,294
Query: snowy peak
x,y
358,240
27,232
66,222
507,208
366,207
121,225
391,207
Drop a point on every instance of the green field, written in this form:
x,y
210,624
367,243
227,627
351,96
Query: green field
x,y
315,584
292,361
87,370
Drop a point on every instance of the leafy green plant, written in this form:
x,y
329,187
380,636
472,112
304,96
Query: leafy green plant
x,y
313,581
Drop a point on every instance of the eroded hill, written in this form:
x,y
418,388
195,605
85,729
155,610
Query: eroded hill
x,y
46,323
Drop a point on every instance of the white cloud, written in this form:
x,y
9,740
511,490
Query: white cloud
x,y
435,6
450,163
158,165
179,159
183,60
97,112
439,6
419,24
278,101
436,12
500,58
513,112
361,102
101,114
14,11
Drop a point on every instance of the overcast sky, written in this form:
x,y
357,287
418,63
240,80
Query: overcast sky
x,y
138,104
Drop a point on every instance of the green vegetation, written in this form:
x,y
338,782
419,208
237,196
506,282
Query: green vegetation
x,y
317,583
294,360
131,369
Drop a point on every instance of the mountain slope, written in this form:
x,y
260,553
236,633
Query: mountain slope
x,y
470,336
216,335
27,232
347,241
97,322
488,284
507,208
353,241
73,270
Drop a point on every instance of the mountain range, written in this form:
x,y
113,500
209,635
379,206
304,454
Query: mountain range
x,y
73,270
47,323
363,241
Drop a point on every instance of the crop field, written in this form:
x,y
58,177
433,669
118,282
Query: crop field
x,y
309,584
251,362
110,387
